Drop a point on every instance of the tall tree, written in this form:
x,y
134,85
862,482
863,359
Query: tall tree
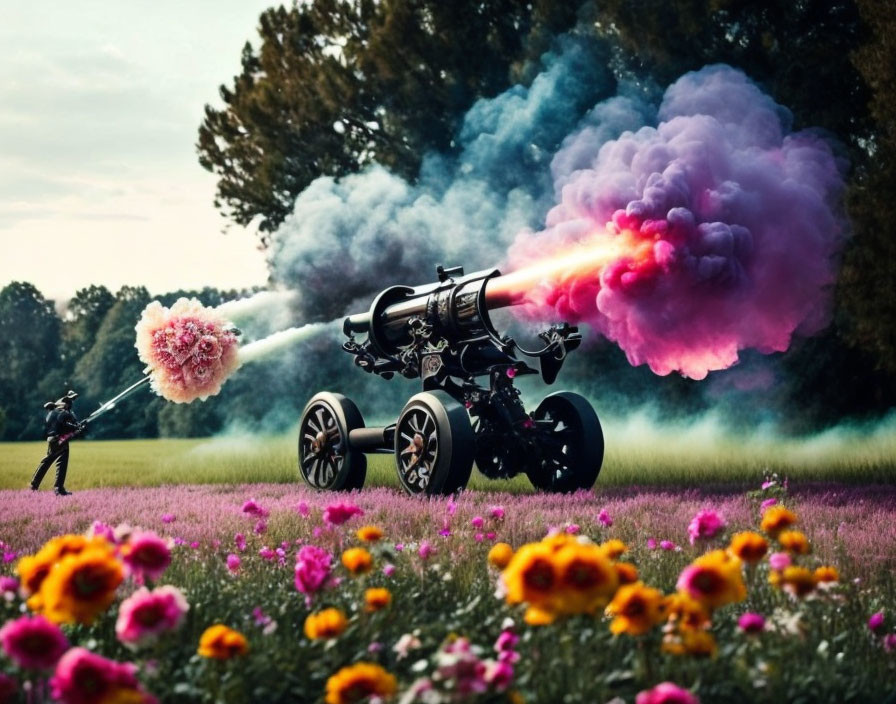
x,y
29,348
83,317
338,84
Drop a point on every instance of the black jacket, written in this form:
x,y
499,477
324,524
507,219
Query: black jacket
x,y
60,421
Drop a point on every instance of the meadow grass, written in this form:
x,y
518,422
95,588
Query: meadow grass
x,y
637,453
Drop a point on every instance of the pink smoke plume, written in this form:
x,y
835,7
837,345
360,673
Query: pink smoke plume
x,y
715,231
189,349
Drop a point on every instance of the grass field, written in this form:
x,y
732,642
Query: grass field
x,y
637,454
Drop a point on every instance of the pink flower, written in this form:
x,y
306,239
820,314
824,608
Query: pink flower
x,y
103,530
313,567
261,527
84,678
267,553
651,543
779,560
252,508
890,642
146,555
7,688
233,563
9,584
751,622
240,541
477,522
768,484
666,693
338,513
496,512
425,550
572,528
491,535
399,547
478,537
33,642
388,569
194,544
706,524
876,623
499,675
451,507
506,641
302,509
604,518
667,545
167,518
145,615
765,504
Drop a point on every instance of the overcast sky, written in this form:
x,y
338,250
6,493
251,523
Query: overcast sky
x,y
99,108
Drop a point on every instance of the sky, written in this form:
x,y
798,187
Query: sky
x,y
100,103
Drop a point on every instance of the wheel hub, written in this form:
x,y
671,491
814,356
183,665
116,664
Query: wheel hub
x,y
319,443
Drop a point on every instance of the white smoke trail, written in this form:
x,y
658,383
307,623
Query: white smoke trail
x,y
274,306
259,349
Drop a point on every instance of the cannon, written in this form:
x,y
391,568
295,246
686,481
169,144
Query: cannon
x,y
442,334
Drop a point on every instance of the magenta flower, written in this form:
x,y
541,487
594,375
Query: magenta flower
x,y
302,509
499,675
167,518
876,623
779,560
399,547
477,521
706,524
651,543
890,642
103,530
765,504
233,563
252,508
8,585
768,484
267,553
33,642
478,537
451,507
604,518
425,550
666,693
82,677
146,555
388,569
338,513
261,527
496,512
506,641
751,622
145,615
240,541
667,545
572,528
313,567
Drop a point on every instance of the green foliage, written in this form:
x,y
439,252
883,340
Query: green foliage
x,y
336,85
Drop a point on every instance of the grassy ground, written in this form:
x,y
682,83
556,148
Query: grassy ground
x,y
637,454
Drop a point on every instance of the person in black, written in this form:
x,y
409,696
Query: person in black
x,y
60,425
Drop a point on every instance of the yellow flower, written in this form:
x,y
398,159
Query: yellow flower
x,y
536,616
714,579
797,580
613,548
627,572
369,534
826,573
33,569
357,682
586,580
328,623
555,541
794,541
776,519
357,561
749,546
500,554
376,599
700,643
531,576
222,643
685,613
81,586
636,609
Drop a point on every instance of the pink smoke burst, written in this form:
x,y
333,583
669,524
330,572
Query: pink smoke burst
x,y
715,231
189,349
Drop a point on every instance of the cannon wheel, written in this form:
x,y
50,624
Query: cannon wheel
x,y
326,460
434,445
572,444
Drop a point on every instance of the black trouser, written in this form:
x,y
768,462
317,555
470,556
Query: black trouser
x,y
58,452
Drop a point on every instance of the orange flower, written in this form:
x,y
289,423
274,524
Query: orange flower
x,y
797,580
793,541
357,682
586,581
701,643
222,643
826,573
536,616
685,613
713,579
33,569
626,572
776,519
329,623
613,548
81,586
531,576
749,546
357,561
555,541
369,534
376,599
636,609
500,554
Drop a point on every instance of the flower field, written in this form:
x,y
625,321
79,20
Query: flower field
x,y
270,593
